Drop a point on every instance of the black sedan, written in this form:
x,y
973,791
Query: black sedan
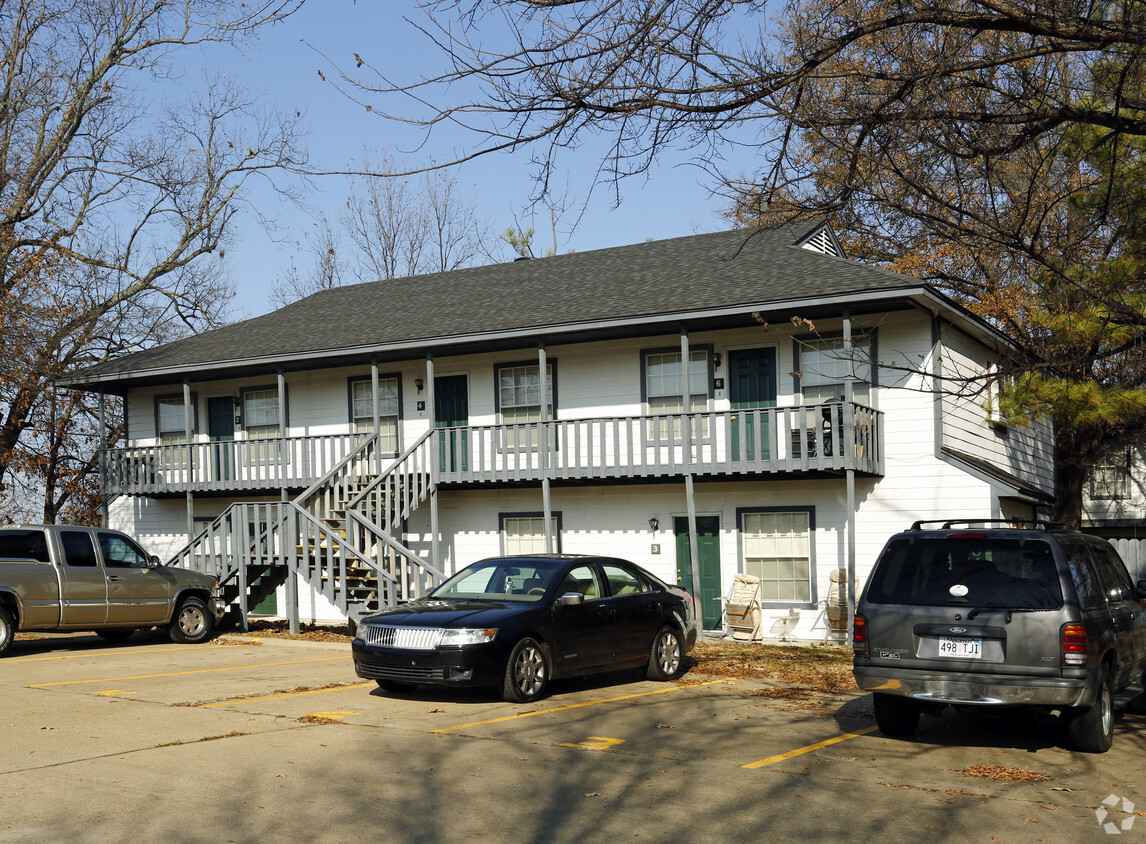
x,y
515,623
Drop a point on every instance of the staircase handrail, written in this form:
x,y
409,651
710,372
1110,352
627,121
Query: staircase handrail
x,y
324,529
369,441
381,534
390,470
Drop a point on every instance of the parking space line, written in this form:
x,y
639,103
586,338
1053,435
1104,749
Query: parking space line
x,y
286,695
182,673
801,751
578,706
121,652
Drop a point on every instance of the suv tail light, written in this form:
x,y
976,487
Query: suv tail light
x,y
859,635
1073,644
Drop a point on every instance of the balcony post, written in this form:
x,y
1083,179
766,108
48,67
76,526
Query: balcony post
x,y
435,459
543,445
376,412
103,478
187,431
850,456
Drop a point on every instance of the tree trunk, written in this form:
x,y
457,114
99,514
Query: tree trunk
x,y
1073,459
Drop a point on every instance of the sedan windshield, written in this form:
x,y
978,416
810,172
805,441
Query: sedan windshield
x,y
498,580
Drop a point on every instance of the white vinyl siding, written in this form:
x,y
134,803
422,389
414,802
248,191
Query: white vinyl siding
x,y
777,549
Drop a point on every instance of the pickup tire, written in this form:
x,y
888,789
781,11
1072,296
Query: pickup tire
x,y
7,631
192,623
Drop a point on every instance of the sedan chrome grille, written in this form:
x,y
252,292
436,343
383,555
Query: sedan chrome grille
x,y
407,638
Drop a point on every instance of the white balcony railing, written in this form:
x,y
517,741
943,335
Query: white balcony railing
x,y
810,438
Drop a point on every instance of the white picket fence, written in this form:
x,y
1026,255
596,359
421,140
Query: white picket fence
x,y
1133,553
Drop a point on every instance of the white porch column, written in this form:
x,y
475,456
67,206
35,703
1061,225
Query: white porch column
x,y
188,426
849,397
103,479
435,456
375,411
689,491
543,448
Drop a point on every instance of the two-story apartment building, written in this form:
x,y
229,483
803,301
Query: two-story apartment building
x,y
733,402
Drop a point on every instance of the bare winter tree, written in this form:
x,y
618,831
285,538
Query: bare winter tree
x,y
116,203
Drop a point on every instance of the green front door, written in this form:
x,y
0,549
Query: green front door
x,y
708,549
752,384
221,429
452,411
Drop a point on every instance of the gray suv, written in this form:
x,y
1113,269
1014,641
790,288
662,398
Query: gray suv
x,y
976,615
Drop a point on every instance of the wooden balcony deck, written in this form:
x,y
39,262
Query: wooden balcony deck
x,y
827,438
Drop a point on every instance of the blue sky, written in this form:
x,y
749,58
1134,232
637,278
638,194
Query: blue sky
x,y
282,68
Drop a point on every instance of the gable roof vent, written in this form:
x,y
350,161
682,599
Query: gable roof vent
x,y
823,240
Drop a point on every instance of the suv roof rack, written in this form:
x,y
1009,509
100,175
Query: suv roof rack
x,y
1018,524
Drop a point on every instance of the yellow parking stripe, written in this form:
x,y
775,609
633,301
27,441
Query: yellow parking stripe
x,y
291,694
132,652
826,743
181,673
577,706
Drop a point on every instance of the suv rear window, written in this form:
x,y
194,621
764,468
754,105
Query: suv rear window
x,y
980,571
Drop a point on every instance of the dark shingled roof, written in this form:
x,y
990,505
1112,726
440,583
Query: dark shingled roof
x,y
646,283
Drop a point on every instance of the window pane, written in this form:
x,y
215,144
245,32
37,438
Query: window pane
x,y
261,409
777,549
526,534
823,369
171,416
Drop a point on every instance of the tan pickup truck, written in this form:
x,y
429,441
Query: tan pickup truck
x,y
59,578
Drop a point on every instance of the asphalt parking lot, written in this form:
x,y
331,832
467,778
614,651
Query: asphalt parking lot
x,y
265,740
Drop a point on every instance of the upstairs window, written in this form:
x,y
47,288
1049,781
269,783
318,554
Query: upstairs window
x,y
261,413
1110,477
170,420
664,385
362,409
519,392
822,368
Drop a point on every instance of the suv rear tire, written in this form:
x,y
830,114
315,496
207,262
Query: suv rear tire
x,y
1091,730
894,715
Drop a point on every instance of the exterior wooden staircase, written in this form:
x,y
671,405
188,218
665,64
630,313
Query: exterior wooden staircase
x,y
341,535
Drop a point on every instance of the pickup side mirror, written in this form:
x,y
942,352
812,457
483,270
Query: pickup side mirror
x,y
154,562
571,599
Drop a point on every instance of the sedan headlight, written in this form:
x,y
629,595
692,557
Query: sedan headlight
x,y
454,638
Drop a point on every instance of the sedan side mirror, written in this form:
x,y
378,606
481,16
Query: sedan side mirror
x,y
571,599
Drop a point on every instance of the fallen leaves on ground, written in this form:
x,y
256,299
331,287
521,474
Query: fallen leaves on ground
x,y
1000,772
822,669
